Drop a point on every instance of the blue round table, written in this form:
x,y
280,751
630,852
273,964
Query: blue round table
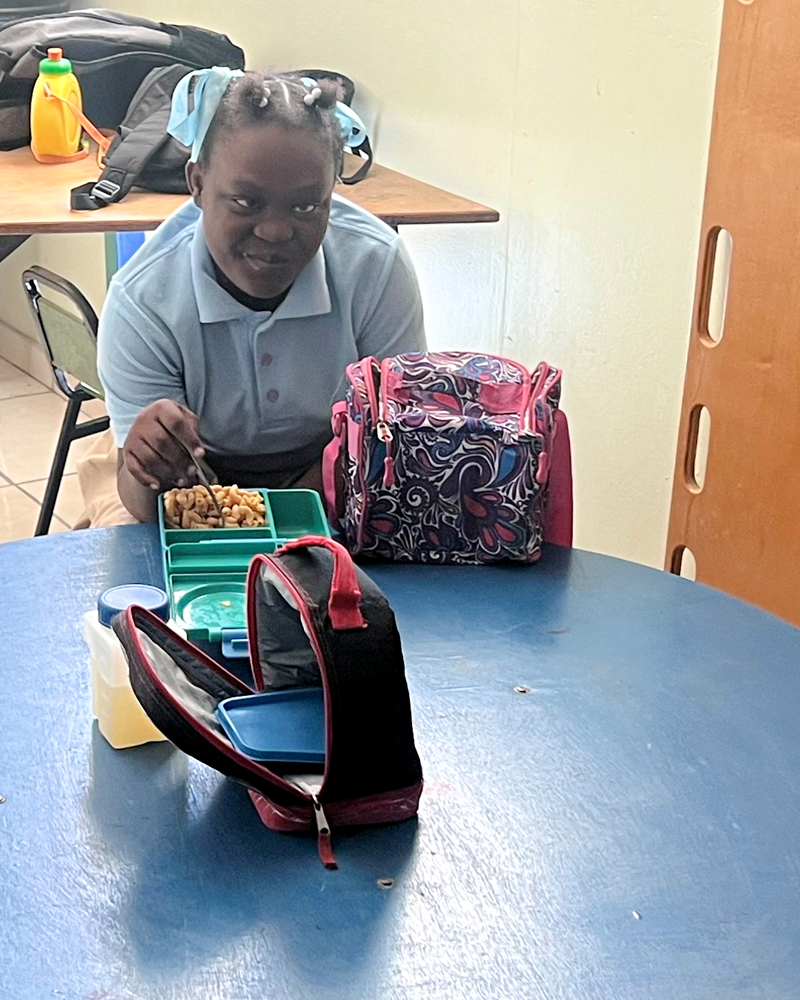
x,y
628,829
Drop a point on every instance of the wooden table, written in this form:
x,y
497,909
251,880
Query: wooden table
x,y
627,830
34,198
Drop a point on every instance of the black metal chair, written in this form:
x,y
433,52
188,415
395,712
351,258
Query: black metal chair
x,y
71,343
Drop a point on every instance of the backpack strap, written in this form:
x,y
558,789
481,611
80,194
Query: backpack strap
x,y
348,90
332,456
126,158
343,604
364,150
142,135
103,141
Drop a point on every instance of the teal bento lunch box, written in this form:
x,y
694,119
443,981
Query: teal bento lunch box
x,y
205,569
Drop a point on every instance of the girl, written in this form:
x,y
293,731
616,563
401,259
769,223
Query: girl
x,y
227,334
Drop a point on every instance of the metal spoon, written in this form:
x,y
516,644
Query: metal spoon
x,y
204,481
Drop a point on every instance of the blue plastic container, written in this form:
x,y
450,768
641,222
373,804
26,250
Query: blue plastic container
x,y
117,599
287,725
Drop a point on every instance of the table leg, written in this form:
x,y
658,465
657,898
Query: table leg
x,y
110,241
119,248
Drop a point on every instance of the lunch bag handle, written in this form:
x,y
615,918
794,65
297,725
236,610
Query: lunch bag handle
x,y
343,605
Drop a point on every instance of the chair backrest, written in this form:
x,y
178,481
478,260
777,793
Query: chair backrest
x,y
69,337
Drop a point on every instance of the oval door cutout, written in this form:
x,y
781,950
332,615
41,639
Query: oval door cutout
x,y
684,563
696,458
718,273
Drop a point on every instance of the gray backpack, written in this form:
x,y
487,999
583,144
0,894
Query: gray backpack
x,y
111,54
143,154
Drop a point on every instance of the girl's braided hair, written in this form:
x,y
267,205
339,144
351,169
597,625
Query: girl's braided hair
x,y
278,99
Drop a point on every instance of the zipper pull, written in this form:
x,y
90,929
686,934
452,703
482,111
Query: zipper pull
x,y
384,432
324,845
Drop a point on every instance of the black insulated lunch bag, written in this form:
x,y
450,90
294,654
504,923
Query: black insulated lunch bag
x,y
314,620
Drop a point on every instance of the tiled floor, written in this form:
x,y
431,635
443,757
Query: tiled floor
x,y
30,419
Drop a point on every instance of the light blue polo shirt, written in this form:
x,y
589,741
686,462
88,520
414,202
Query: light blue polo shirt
x,y
261,383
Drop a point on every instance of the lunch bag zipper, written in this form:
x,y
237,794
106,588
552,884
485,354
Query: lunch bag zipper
x,y
324,841
365,367
548,378
324,845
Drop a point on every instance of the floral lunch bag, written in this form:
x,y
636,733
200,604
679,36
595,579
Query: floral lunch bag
x,y
443,457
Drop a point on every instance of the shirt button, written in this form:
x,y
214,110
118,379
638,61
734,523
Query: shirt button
x,y
272,395
266,360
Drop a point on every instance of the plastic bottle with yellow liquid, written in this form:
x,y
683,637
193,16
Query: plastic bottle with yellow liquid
x,y
120,717
55,129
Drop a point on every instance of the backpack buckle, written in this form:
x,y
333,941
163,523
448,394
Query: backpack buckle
x,y
105,190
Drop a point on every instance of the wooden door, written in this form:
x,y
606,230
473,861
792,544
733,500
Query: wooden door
x,y
743,525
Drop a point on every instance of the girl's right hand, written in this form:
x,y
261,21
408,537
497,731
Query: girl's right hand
x,y
155,450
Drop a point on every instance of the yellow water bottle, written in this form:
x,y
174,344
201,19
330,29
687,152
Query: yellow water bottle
x,y
55,107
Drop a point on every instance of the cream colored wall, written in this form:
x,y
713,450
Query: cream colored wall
x,y
585,122
80,258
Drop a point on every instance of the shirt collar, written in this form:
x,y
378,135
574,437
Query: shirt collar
x,y
308,296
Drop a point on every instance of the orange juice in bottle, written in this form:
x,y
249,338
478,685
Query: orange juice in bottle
x,y
55,129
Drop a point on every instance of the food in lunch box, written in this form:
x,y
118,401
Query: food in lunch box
x,y
192,508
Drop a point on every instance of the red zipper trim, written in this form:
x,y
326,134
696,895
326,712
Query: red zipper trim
x,y
548,378
527,393
383,429
383,402
383,807
302,602
276,816
369,383
250,588
526,421
372,406
208,734
186,644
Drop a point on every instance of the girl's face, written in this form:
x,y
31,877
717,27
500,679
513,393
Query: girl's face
x,y
265,195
